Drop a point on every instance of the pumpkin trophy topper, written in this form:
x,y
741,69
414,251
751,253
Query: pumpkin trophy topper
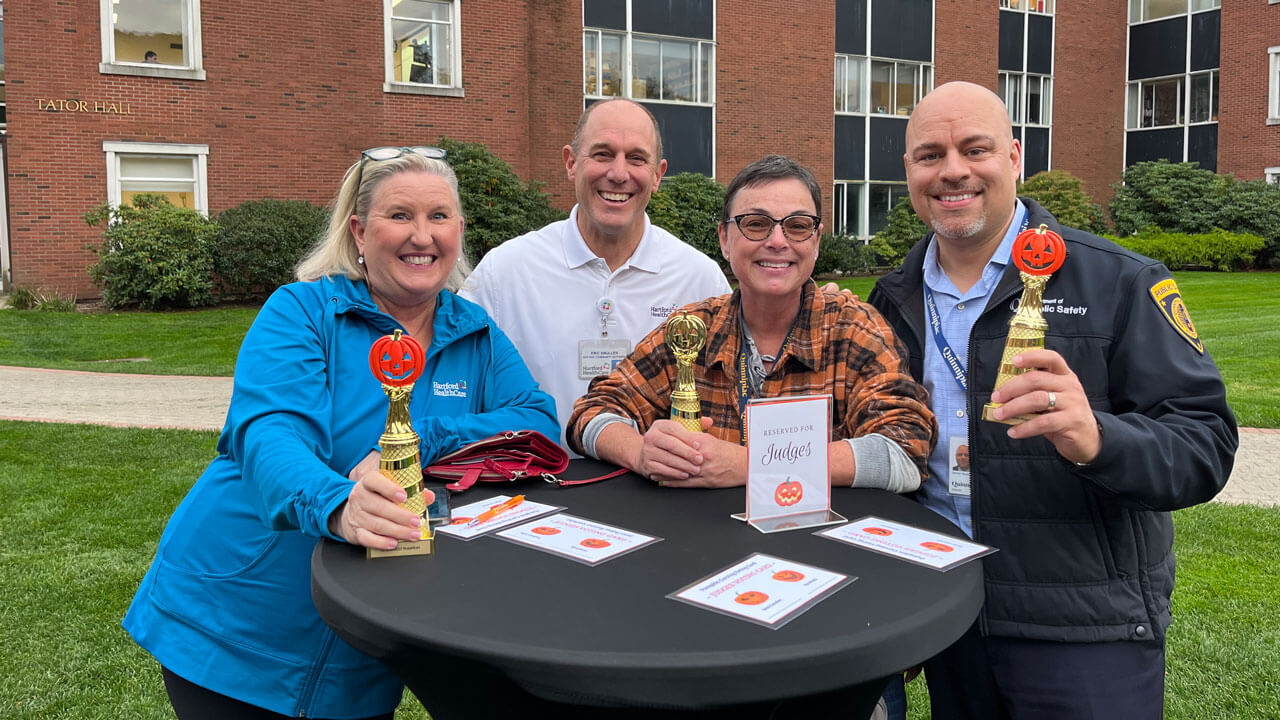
x,y
1038,254
686,334
397,361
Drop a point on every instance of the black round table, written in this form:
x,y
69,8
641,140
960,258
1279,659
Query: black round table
x,y
488,628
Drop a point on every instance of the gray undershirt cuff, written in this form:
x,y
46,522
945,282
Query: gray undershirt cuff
x,y
882,463
598,423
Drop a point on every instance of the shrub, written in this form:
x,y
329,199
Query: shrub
x,y
259,243
42,300
1177,197
843,255
1253,206
498,205
154,255
1218,249
905,229
1063,195
688,205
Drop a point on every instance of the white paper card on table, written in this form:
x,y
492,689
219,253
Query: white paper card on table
x,y
907,542
585,541
787,468
459,528
763,589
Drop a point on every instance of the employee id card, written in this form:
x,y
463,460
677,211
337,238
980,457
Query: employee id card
x,y
598,356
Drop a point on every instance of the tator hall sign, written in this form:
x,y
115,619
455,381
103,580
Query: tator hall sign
x,y
76,105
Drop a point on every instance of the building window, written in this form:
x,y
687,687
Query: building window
x,y
176,171
1273,85
156,38
850,80
1143,10
863,209
1272,175
425,47
647,67
1036,6
897,86
1155,103
3,105
1203,105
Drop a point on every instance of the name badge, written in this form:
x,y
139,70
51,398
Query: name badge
x,y
958,477
598,356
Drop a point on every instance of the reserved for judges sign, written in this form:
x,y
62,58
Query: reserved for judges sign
x,y
788,478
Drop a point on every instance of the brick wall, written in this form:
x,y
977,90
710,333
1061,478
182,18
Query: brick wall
x,y
966,43
1246,144
293,93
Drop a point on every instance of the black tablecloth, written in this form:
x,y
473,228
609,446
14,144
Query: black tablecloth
x,y
491,611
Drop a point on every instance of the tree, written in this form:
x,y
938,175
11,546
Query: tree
x,y
688,206
1180,197
905,228
1063,195
260,242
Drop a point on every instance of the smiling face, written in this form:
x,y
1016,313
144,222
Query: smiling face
x,y
772,271
963,164
410,241
962,457
614,171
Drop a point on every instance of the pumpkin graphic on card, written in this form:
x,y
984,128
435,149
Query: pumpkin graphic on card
x,y
788,493
594,543
788,576
751,597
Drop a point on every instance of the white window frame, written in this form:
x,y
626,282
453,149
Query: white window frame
x,y
391,85
703,52
1182,96
1042,7
843,62
199,155
1138,7
1214,80
1272,174
923,72
191,36
1273,84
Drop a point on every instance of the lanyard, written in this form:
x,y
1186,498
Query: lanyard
x,y
744,384
935,326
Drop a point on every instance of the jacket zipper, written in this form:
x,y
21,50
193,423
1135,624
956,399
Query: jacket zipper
x,y
308,688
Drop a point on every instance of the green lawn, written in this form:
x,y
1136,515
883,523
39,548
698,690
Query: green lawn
x,y
84,507
1235,316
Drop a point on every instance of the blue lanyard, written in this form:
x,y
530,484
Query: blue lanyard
x,y
744,379
935,325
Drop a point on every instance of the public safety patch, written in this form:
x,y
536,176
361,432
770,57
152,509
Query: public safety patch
x,y
1169,300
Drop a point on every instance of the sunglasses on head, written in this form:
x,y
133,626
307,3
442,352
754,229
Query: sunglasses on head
x,y
391,152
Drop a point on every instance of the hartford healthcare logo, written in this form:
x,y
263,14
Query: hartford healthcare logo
x,y
449,389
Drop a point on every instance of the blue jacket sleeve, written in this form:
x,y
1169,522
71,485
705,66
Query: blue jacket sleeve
x,y
1169,439
509,400
278,426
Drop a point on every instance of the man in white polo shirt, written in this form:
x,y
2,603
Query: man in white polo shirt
x,y
576,295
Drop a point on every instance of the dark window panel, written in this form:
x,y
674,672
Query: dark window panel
x,y
1202,146
850,163
1011,41
686,137
685,18
1206,31
1040,44
901,29
888,144
1035,150
1153,145
610,14
851,27
1158,48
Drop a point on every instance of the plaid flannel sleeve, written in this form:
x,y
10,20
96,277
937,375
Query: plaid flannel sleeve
x,y
639,389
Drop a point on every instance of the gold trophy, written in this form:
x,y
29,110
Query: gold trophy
x,y
1038,254
686,334
397,361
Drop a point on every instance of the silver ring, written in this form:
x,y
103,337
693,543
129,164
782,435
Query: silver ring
x,y
1053,400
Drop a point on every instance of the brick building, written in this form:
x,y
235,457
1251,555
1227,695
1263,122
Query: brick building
x,y
239,100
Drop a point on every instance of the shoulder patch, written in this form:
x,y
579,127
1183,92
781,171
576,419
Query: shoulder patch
x,y
1169,300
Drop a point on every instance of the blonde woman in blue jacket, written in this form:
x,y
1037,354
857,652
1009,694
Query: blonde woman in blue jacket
x,y
226,607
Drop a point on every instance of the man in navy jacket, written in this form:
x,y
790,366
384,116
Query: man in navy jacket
x,y
1130,422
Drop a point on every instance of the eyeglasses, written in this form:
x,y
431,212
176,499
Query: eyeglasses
x,y
797,227
391,152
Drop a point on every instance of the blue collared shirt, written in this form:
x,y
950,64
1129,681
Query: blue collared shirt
x,y
957,312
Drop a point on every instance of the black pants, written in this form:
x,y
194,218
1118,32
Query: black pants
x,y
193,702
995,678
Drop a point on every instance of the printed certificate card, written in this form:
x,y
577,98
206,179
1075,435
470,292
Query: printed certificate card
x,y
788,479
461,528
763,589
586,541
913,544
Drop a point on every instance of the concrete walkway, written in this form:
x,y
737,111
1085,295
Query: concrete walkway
x,y
200,403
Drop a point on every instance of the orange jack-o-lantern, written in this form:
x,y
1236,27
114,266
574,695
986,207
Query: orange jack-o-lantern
x,y
877,531
788,493
594,543
1039,252
788,576
936,546
751,597
460,521
544,530
396,359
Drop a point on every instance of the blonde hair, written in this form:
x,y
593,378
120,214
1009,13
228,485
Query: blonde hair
x,y
336,252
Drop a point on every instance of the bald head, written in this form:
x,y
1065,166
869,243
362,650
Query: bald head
x,y
963,164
